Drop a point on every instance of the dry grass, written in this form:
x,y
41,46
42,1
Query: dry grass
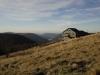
x,y
79,56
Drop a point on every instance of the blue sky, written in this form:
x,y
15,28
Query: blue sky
x,y
49,16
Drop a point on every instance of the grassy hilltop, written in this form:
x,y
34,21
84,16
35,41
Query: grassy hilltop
x,y
79,56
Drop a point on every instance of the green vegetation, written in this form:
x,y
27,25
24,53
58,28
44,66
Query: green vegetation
x,y
79,56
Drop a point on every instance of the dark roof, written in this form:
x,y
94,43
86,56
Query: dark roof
x,y
77,31
83,32
73,29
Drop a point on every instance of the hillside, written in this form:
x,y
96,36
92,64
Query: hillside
x,y
79,56
34,37
14,42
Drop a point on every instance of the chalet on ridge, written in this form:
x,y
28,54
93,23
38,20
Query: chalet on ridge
x,y
72,33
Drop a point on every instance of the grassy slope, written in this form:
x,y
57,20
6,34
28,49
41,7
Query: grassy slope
x,y
79,56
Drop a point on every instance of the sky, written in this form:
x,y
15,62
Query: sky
x,y
49,16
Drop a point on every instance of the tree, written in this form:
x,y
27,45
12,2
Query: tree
x,y
5,44
7,48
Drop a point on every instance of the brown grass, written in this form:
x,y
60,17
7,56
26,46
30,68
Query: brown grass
x,y
79,56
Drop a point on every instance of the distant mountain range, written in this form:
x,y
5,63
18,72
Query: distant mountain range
x,y
32,36
40,38
45,37
17,39
49,36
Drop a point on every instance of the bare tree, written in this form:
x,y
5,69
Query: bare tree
x,y
6,43
7,48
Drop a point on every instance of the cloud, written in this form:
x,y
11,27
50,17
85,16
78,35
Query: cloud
x,y
81,14
80,2
28,16
71,22
93,9
28,10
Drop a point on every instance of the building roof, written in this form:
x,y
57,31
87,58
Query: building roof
x,y
73,29
77,31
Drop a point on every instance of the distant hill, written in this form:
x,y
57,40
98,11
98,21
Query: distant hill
x,y
9,32
14,41
34,37
49,36
57,37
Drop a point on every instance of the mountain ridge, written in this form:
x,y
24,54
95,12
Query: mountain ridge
x,y
32,36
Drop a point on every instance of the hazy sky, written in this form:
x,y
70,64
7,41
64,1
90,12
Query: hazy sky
x,y
42,16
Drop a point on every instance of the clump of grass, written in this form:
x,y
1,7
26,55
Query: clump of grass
x,y
94,72
63,62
